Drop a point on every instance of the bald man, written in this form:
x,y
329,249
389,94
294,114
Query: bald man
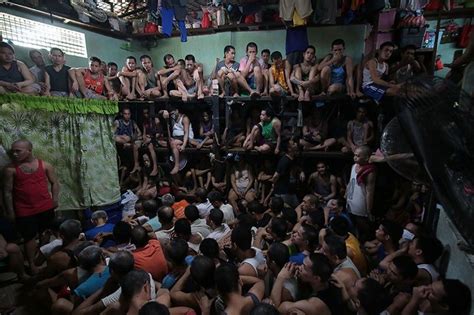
x,y
27,197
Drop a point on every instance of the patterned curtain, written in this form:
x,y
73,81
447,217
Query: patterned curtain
x,y
75,136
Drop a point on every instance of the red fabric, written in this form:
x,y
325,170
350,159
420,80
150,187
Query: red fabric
x,y
178,208
151,259
363,172
30,192
97,84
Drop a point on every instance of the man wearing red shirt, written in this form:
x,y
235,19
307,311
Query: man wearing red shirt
x,y
27,197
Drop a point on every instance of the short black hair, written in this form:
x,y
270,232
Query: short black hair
x,y
167,56
122,232
311,47
290,215
279,253
372,291
311,236
279,227
122,262
338,41
458,296
154,308
431,247
190,57
228,48
321,266
139,236
264,309
408,47
90,257
387,44
340,226
215,196
216,216
209,248
336,245
133,283
242,237
70,229
202,271
406,267
265,51
132,58
276,55
178,250
191,213
251,44
56,49
144,56
201,193
255,207
8,46
182,228
95,59
112,64
150,207
227,278
394,231
276,204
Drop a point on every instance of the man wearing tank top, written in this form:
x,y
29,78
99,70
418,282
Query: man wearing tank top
x,y
14,74
305,75
148,85
27,196
335,68
360,192
60,79
373,84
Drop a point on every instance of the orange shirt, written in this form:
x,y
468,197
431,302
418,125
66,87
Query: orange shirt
x,y
279,77
151,259
178,208
359,259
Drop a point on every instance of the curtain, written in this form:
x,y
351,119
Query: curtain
x,y
73,135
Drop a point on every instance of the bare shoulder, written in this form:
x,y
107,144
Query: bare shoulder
x,y
9,170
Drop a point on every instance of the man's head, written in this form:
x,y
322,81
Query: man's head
x,y
70,230
321,168
215,198
340,226
361,113
168,59
57,56
150,207
189,62
386,50
425,249
277,58
229,53
201,194
305,237
191,213
99,217
338,46
122,232
278,255
315,270
266,115
139,237
276,205
334,247
251,49
361,155
165,215
177,251
90,257
147,63
241,238
121,263
182,229
37,57
278,229
126,114
215,218
21,150
112,69
94,65
202,271
255,208
131,63
168,200
365,291
309,203
389,232
402,270
103,67
449,296
265,55
135,283
154,308
309,54
210,248
7,53
408,52
227,279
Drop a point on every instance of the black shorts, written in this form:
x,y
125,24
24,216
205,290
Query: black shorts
x,y
33,225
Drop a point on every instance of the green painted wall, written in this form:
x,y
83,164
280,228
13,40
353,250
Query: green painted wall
x,y
104,47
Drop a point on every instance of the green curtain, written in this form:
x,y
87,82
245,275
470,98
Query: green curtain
x,y
75,136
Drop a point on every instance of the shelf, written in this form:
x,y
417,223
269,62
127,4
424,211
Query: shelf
x,y
452,14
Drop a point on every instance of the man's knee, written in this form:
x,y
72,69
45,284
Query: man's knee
x,y
257,70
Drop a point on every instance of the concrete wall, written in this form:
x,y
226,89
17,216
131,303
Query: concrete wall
x,y
461,265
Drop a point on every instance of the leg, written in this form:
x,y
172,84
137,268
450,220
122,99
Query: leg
x,y
16,260
234,83
151,148
298,76
141,83
250,196
30,249
266,82
221,79
174,148
264,148
136,166
62,306
233,197
325,78
335,88
258,73
199,83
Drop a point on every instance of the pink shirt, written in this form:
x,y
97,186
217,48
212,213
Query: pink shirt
x,y
243,63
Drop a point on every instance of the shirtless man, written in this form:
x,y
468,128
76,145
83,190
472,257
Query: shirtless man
x,y
14,74
27,196
128,78
336,71
191,76
92,82
148,86
305,75
168,74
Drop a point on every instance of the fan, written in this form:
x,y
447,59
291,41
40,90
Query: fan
x,y
90,9
439,130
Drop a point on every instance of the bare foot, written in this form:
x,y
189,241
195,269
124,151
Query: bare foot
x,y
222,95
130,97
200,96
135,169
236,95
154,172
175,170
301,97
164,96
307,97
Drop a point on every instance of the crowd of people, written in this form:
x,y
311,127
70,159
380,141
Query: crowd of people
x,y
301,76
227,233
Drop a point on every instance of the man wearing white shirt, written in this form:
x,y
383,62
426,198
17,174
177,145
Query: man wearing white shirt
x,y
202,203
217,201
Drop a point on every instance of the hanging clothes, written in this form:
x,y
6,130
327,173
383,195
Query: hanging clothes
x,y
325,12
176,9
287,7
